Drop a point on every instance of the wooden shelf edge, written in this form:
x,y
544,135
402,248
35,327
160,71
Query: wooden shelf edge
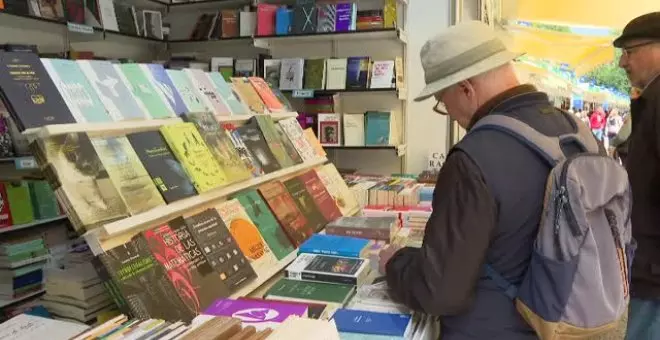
x,y
5,303
31,224
98,238
123,126
240,118
259,281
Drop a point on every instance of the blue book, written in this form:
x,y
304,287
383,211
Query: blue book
x,y
164,84
364,322
119,102
357,336
344,17
228,95
378,128
334,245
78,94
283,21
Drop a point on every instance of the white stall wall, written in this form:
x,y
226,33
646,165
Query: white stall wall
x,y
427,131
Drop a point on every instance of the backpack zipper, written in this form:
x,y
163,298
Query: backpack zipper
x,y
563,191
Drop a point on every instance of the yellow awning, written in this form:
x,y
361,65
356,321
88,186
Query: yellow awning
x,y
599,13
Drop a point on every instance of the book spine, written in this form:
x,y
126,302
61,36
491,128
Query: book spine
x,y
109,284
367,233
330,252
319,277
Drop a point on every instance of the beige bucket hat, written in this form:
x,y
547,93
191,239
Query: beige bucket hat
x,y
459,53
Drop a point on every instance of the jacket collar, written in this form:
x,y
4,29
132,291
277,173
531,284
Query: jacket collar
x,y
653,88
509,99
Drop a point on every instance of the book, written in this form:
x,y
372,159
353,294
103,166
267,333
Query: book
x,y
337,188
353,129
271,137
28,92
291,74
321,197
220,248
153,24
220,145
164,169
314,74
309,291
336,74
127,174
246,155
290,149
329,128
382,74
314,310
272,71
327,18
374,228
264,91
346,16
280,202
258,313
139,82
165,86
365,322
255,141
262,217
334,245
248,94
43,200
143,284
357,74
206,91
378,130
189,147
228,94
305,203
18,198
119,102
5,213
247,236
191,97
294,132
329,269
76,90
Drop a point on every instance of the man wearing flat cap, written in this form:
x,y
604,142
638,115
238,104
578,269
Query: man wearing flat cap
x,y
488,199
640,43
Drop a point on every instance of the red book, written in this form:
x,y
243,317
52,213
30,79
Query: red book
x,y
286,212
324,201
5,214
266,19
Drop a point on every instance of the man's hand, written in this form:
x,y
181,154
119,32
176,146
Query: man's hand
x,y
385,256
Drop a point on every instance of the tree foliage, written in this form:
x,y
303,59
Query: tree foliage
x,y
610,75
550,27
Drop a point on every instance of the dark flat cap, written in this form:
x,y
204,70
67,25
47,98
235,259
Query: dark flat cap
x,y
646,26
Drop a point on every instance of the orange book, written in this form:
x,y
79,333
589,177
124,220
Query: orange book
x,y
266,94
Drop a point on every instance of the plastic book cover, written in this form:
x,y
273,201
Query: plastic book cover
x,y
145,92
164,84
187,91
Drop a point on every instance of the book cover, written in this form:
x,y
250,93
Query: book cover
x,y
43,200
336,74
305,18
18,197
220,249
247,236
357,72
306,291
143,284
224,66
283,19
108,15
92,13
266,94
126,20
263,218
382,74
228,94
305,203
207,92
165,170
294,132
51,9
28,92
290,149
330,269
314,310
229,23
267,127
83,102
256,143
353,126
74,11
145,92
292,221
248,94
127,174
246,156
266,19
345,16
327,19
111,89
334,245
320,195
291,74
190,149
272,69
314,74
83,179
378,126
365,322
220,145
337,188
153,24
369,227
5,213
260,314
165,86
188,93
329,128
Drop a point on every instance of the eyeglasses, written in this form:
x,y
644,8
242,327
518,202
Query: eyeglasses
x,y
628,50
440,108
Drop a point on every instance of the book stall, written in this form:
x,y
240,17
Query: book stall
x,y
191,198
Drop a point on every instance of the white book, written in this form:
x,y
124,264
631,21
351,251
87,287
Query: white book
x,y
206,91
335,74
247,23
353,129
27,327
328,269
108,15
272,69
382,74
329,128
294,131
291,74
153,24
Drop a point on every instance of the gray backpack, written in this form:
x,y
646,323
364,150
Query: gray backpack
x,y
577,283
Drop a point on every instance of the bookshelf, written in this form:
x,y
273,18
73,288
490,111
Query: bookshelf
x,y
119,232
5,303
32,224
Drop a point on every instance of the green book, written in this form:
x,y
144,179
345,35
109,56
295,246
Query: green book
x,y
267,127
307,291
145,92
27,246
20,205
263,218
43,199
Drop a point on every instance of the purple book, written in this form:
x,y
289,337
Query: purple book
x,y
261,314
344,20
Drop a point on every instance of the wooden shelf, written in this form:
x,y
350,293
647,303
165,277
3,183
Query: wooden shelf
x,y
261,280
241,118
123,127
116,233
380,33
32,224
399,149
5,303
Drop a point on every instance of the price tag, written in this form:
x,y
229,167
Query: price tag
x,y
25,163
78,28
303,94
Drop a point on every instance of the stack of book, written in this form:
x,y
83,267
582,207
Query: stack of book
x,y
23,202
384,191
74,290
22,260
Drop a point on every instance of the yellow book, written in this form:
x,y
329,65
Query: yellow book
x,y
389,14
337,188
190,149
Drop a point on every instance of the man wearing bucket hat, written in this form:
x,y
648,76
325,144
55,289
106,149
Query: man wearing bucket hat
x,y
640,58
489,195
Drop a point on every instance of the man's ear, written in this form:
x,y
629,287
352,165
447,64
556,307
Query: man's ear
x,y
466,88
